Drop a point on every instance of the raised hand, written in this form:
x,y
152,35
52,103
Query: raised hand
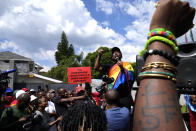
x,y
173,15
100,52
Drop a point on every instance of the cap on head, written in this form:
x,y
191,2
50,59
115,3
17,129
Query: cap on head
x,y
78,89
8,90
32,98
114,49
25,89
18,93
32,90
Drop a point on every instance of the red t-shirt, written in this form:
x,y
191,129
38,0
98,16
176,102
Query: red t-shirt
x,y
192,120
96,97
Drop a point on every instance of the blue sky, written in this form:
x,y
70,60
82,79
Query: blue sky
x,y
32,28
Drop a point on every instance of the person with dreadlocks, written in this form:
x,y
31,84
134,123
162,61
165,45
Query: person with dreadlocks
x,y
84,117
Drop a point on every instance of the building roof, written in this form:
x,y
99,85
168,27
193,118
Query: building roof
x,y
47,78
7,55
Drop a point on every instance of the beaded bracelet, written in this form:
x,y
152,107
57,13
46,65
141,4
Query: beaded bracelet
x,y
162,32
165,67
157,72
157,76
162,39
162,29
172,58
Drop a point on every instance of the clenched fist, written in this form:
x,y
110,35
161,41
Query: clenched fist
x,y
173,15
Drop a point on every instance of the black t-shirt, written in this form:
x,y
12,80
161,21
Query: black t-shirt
x,y
61,107
86,100
106,68
42,121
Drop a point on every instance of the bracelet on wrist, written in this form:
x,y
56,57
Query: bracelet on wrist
x,y
162,32
164,40
163,65
162,35
172,58
157,76
161,39
157,72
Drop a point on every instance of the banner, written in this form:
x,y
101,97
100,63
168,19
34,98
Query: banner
x,y
78,75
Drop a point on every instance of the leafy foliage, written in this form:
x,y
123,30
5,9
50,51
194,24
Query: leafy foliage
x,y
65,57
91,59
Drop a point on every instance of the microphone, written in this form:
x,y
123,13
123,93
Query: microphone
x,y
110,80
116,58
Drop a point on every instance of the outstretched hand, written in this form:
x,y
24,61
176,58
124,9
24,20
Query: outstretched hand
x,y
173,15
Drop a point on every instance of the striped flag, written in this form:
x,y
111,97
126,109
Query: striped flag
x,y
122,77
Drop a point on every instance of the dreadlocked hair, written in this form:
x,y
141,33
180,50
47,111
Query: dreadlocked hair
x,y
84,116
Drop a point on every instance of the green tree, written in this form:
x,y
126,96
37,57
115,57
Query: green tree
x,y
62,48
60,71
133,65
90,60
70,50
65,58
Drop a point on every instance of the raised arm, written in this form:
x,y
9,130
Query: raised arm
x,y
73,98
97,63
157,107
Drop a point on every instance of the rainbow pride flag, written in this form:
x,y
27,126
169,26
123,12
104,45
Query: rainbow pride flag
x,y
120,77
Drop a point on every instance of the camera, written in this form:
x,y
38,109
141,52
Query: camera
x,y
4,80
105,78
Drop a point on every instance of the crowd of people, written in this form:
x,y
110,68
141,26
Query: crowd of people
x,y
61,110
156,107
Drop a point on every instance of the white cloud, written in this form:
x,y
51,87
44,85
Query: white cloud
x,y
105,23
34,27
45,68
45,55
51,28
138,8
129,9
137,31
142,12
130,51
8,44
105,6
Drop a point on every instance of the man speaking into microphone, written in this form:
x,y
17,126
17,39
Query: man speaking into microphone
x,y
123,75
